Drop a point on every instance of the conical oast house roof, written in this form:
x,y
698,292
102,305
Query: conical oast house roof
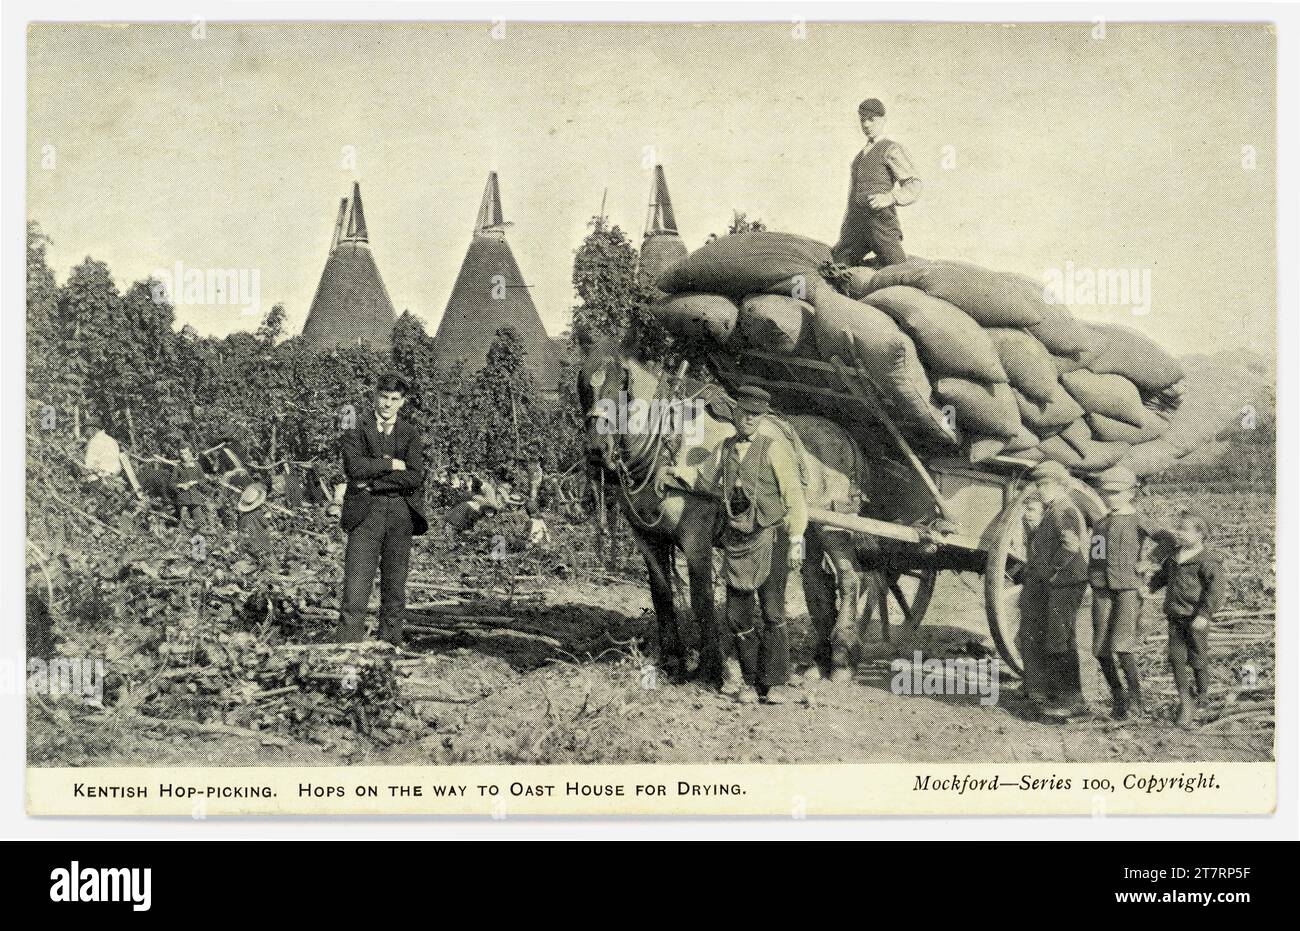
x,y
662,246
489,294
351,303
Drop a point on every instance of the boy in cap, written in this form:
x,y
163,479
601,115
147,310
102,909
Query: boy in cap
x,y
383,459
763,514
1056,576
1117,541
1193,580
881,178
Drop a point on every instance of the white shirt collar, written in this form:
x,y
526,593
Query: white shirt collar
x,y
1185,556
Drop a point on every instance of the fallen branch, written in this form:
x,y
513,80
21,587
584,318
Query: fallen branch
x,y
490,631
189,727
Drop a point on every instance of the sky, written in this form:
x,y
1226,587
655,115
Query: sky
x,y
1042,149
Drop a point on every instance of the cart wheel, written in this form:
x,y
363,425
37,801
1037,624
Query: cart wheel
x,y
907,597
1002,580
1006,563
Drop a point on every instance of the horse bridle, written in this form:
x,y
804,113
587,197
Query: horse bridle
x,y
627,463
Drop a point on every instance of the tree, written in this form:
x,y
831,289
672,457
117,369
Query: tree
x,y
413,356
613,301
47,381
741,223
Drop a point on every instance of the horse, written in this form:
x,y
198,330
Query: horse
x,y
654,436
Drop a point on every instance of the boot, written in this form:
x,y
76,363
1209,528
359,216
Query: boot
x,y
778,695
733,681
1185,711
1119,705
1068,702
1202,678
1137,707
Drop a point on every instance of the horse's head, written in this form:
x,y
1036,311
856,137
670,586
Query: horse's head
x,y
610,378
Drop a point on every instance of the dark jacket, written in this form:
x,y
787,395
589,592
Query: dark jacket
x,y
1116,547
1051,558
370,472
1192,589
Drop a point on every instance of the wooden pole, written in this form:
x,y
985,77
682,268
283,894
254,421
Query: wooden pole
x,y
867,525
853,379
514,421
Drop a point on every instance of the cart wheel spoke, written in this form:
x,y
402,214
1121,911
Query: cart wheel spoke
x,y
911,598
901,600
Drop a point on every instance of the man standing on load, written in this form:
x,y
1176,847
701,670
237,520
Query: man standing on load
x,y
763,516
881,179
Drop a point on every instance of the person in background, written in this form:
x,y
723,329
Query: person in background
x,y
186,478
505,491
1056,577
880,179
251,522
383,459
103,454
764,515
1116,548
1194,583
483,501
538,533
293,492
532,473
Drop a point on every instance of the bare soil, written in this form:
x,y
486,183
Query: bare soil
x,y
516,700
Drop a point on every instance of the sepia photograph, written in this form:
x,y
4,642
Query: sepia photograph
x,y
650,418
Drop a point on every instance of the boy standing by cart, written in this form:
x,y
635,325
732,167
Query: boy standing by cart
x,y
1116,548
1056,576
1193,580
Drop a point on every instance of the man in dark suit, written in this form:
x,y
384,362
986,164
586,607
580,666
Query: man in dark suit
x,y
383,459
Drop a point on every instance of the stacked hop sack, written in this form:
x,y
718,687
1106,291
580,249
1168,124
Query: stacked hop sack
x,y
964,358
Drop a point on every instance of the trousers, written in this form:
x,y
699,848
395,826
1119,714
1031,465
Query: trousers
x,y
762,645
871,231
1047,638
381,542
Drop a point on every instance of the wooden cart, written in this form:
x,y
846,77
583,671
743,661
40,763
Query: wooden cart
x,y
927,512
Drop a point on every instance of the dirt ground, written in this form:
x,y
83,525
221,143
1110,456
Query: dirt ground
x,y
517,700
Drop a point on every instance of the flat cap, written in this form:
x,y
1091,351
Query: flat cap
x,y
871,105
393,380
1049,468
1116,478
753,399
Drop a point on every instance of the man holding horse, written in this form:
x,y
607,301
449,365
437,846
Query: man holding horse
x,y
762,520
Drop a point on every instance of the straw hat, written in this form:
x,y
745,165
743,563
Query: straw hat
x,y
252,497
